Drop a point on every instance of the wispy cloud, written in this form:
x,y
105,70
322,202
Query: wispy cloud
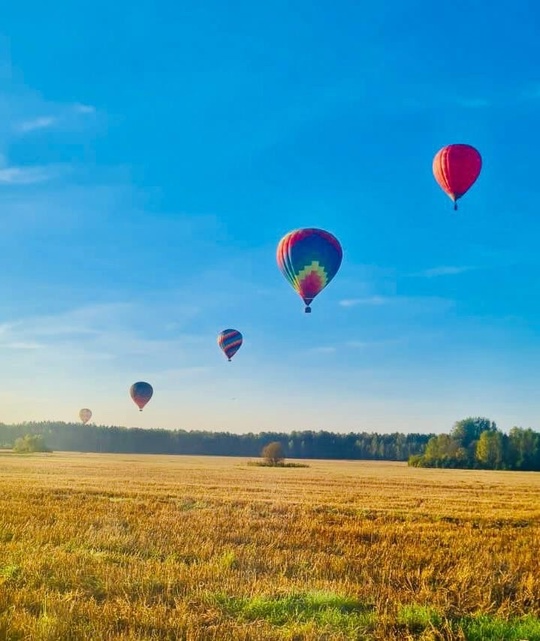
x,y
41,122
27,175
359,344
84,109
323,349
444,270
393,307
369,300
355,344
346,346
64,116
95,332
21,345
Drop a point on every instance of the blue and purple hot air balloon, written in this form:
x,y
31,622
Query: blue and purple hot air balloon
x,y
230,341
141,392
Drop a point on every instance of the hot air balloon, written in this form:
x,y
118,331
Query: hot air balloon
x,y
85,415
141,393
309,259
456,168
230,341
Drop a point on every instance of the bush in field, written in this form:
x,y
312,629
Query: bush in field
x,y
30,443
273,453
415,460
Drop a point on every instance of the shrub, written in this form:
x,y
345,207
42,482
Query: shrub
x,y
273,453
30,443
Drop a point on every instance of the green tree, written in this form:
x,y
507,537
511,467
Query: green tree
x,y
416,460
30,443
468,430
489,449
441,451
524,449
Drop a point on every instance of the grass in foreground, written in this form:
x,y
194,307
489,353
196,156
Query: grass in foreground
x,y
327,611
147,547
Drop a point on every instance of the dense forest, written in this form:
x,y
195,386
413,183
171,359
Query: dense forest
x,y
477,443
474,443
307,444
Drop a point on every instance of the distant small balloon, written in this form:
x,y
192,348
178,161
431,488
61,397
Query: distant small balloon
x,y
230,341
85,415
141,393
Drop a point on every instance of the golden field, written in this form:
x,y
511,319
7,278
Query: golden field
x,y
124,547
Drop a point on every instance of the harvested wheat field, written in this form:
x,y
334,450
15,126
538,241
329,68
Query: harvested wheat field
x,y
111,547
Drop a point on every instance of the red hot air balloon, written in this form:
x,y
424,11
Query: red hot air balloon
x,y
230,341
309,259
141,393
456,168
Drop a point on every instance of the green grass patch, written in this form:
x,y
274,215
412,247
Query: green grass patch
x,y
227,561
10,573
331,612
325,609
417,618
420,618
486,627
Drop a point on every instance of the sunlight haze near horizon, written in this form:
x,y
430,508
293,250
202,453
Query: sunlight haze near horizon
x,y
153,155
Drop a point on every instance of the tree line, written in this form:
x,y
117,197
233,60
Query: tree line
x,y
297,444
474,442
477,443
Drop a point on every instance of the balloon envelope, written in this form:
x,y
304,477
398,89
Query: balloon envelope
x,y
85,415
141,393
230,341
456,168
309,259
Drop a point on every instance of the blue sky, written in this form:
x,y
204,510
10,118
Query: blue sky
x,y
153,154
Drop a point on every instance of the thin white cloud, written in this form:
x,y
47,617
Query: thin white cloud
x,y
88,320
369,300
355,344
323,350
84,109
402,305
445,270
21,345
26,175
96,332
359,344
82,320
41,122
65,117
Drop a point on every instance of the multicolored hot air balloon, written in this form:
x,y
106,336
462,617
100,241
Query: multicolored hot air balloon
x,y
456,168
141,393
85,415
230,341
309,259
